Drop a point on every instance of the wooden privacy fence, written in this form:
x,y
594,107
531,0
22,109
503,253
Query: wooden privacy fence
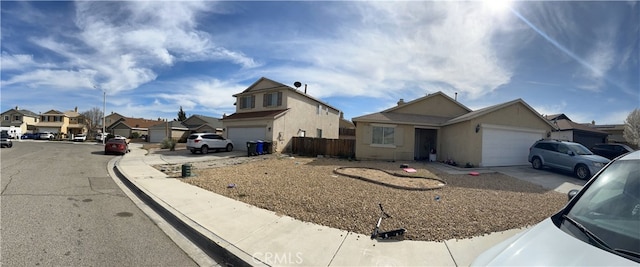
x,y
308,146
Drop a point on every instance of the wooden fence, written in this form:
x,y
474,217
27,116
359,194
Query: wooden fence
x,y
308,146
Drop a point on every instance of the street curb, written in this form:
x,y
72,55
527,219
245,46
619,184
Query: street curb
x,y
217,250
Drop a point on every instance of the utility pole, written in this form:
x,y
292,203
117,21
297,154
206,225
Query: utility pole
x,y
104,109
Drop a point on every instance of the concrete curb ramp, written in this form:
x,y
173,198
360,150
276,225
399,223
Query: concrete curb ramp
x,y
238,234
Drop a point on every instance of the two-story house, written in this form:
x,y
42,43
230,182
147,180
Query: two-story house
x,y
18,121
64,124
271,111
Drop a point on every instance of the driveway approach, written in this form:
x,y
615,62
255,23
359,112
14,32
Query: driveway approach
x,y
241,234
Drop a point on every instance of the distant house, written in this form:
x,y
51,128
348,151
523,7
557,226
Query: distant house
x,y
347,129
64,124
576,132
437,127
168,129
203,124
271,111
18,121
128,127
111,119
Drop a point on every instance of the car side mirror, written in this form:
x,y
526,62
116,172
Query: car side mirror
x,y
570,153
572,193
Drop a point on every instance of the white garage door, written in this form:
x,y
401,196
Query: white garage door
x,y
49,130
156,136
241,135
502,146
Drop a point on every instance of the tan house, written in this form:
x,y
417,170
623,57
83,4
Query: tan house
x,y
111,119
203,124
568,130
168,129
128,127
64,124
18,121
271,111
437,127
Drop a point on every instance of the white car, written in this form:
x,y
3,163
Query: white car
x,y
600,226
99,136
79,137
204,142
46,136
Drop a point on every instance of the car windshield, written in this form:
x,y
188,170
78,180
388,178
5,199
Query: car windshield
x,y
610,208
579,149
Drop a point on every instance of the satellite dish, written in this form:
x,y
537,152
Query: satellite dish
x,y
297,84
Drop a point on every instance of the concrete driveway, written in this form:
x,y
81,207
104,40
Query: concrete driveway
x,y
551,179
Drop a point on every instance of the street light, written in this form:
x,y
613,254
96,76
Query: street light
x,y
104,108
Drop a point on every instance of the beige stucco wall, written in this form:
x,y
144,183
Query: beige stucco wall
x,y
436,105
403,149
462,144
26,120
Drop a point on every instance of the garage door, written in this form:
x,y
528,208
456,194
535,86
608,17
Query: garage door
x,y
241,135
502,146
49,130
121,132
156,136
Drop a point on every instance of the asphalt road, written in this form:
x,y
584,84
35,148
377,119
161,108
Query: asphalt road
x,y
60,207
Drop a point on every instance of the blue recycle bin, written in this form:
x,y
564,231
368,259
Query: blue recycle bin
x,y
260,147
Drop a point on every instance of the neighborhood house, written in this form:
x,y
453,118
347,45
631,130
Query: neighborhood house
x,y
437,127
271,111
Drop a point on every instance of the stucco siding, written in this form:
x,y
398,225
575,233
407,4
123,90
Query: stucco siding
x,y
459,142
437,105
403,149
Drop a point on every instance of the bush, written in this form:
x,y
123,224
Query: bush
x,y
135,135
168,143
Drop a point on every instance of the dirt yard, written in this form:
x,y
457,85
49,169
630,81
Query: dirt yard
x,y
308,189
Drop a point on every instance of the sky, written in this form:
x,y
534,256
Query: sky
x,y
151,58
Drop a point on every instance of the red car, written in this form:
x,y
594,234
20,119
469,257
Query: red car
x,y
117,146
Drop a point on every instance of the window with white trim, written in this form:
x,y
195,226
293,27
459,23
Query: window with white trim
x,y
383,135
247,102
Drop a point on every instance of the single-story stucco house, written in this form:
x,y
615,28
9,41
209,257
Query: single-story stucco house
x,y
498,135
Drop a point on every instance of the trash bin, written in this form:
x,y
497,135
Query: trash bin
x,y
252,149
267,147
186,170
260,147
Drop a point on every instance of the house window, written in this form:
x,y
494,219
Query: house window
x,y
247,102
318,112
6,118
383,135
319,133
16,118
272,99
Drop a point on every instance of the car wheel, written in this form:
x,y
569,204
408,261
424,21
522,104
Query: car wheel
x,y
11,145
204,150
582,172
536,163
229,147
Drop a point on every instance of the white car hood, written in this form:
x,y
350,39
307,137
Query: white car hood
x,y
546,245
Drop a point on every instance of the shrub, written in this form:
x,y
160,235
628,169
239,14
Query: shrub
x,y
135,135
168,143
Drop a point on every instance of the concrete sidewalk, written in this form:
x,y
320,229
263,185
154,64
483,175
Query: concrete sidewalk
x,y
247,235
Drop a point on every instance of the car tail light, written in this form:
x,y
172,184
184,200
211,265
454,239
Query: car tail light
x,y
196,141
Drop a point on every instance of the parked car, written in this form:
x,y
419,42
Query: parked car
x,y
46,136
600,226
610,151
5,139
116,146
204,142
119,137
567,156
99,136
79,137
29,136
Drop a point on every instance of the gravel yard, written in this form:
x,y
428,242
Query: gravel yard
x,y
308,189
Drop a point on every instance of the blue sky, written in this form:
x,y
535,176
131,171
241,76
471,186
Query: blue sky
x,y
577,58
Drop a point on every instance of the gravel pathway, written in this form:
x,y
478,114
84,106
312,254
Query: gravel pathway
x,y
307,189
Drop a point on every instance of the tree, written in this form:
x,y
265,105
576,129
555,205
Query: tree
x,y
182,116
632,128
93,118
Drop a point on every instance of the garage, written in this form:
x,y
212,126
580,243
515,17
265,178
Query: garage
x,y
241,135
507,146
157,135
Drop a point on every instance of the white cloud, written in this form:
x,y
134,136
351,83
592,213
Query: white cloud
x,y
400,47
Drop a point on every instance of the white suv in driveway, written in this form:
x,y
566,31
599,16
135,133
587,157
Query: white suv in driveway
x,y
204,142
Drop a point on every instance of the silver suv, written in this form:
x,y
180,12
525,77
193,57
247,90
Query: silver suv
x,y
567,156
204,142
